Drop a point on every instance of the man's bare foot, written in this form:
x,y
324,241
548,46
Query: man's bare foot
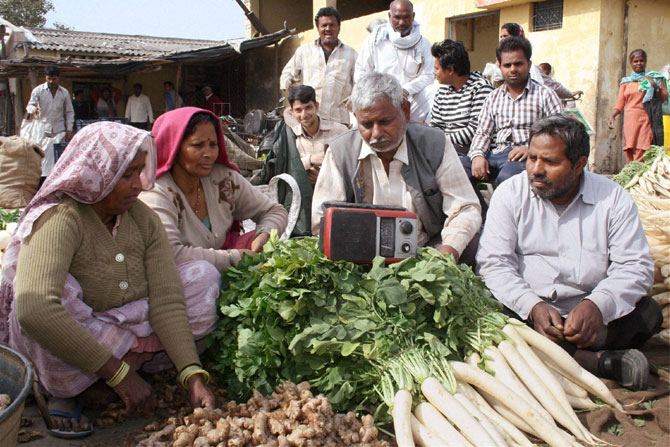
x,y
66,415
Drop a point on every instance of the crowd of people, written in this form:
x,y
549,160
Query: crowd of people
x,y
115,265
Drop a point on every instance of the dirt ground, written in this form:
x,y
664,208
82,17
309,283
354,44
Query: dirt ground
x,y
646,424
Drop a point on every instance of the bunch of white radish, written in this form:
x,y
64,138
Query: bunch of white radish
x,y
529,386
655,181
654,210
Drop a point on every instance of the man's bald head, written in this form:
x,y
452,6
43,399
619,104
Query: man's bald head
x,y
401,16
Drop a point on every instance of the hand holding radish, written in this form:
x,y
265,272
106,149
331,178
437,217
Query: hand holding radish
x,y
583,324
547,321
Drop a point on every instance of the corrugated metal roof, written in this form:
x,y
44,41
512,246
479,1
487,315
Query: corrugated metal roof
x,y
113,44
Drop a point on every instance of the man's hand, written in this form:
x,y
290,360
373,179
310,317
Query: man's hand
x,y
259,241
68,135
480,168
447,249
199,395
313,174
518,153
316,159
547,321
137,395
583,324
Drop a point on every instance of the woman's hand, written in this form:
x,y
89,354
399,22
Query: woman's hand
x,y
199,394
137,395
613,116
259,241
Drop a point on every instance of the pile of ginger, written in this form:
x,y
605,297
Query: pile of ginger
x,y
291,417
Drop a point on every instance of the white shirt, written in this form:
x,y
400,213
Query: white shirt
x,y
596,249
413,67
138,109
56,111
332,80
459,202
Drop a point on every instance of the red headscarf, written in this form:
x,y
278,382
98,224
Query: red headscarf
x,y
169,131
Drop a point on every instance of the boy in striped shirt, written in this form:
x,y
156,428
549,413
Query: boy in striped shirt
x,y
461,95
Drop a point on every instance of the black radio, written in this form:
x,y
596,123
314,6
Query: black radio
x,y
359,232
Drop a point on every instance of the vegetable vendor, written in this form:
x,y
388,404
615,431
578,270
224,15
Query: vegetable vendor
x,y
390,161
90,290
201,197
565,251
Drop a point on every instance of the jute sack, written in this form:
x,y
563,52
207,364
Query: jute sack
x,y
20,170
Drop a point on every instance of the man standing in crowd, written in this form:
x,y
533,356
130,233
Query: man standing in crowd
x,y
172,98
211,99
389,161
327,65
507,115
461,95
568,255
52,104
399,49
138,109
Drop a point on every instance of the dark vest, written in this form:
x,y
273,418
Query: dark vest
x,y
425,150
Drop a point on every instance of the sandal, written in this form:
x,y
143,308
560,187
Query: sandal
x,y
46,415
628,367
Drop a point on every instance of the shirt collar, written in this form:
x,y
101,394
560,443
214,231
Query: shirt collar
x,y
529,88
400,155
317,42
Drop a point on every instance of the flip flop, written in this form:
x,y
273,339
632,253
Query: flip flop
x,y
68,434
46,415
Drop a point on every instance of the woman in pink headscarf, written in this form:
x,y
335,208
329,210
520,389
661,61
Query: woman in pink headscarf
x,y
89,288
201,197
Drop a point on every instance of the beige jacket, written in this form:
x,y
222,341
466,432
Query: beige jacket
x,y
229,197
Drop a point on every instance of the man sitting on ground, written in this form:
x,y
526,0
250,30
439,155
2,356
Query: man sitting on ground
x,y
300,147
461,95
567,254
386,161
507,115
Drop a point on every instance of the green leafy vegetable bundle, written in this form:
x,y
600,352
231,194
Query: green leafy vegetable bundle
x,y
8,216
638,168
291,314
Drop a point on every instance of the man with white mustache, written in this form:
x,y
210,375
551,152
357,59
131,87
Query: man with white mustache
x,y
389,161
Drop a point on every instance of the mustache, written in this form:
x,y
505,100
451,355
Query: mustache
x,y
382,140
542,178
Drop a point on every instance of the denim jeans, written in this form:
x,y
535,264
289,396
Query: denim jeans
x,y
501,169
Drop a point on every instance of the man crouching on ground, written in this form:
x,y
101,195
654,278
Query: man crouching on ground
x,y
564,250
387,161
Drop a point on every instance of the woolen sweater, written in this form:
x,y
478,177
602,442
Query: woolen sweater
x,y
112,271
229,197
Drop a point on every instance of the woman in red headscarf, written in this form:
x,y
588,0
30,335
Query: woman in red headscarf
x,y
200,196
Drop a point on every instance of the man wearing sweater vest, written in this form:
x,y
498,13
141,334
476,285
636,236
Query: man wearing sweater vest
x,y
389,161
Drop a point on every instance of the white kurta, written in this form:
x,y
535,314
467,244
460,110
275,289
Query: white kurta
x,y
413,67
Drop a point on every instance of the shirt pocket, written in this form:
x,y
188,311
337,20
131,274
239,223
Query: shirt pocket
x,y
593,264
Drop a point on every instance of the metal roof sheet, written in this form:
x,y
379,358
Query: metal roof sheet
x,y
113,44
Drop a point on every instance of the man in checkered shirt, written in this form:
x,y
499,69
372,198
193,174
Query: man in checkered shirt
x,y
507,115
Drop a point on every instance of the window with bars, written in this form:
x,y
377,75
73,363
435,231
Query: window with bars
x,y
547,15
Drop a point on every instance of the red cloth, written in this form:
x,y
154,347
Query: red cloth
x,y
211,101
169,131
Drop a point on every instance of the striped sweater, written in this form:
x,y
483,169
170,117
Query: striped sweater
x,y
457,112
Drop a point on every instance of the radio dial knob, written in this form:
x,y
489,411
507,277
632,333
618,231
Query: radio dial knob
x,y
406,227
